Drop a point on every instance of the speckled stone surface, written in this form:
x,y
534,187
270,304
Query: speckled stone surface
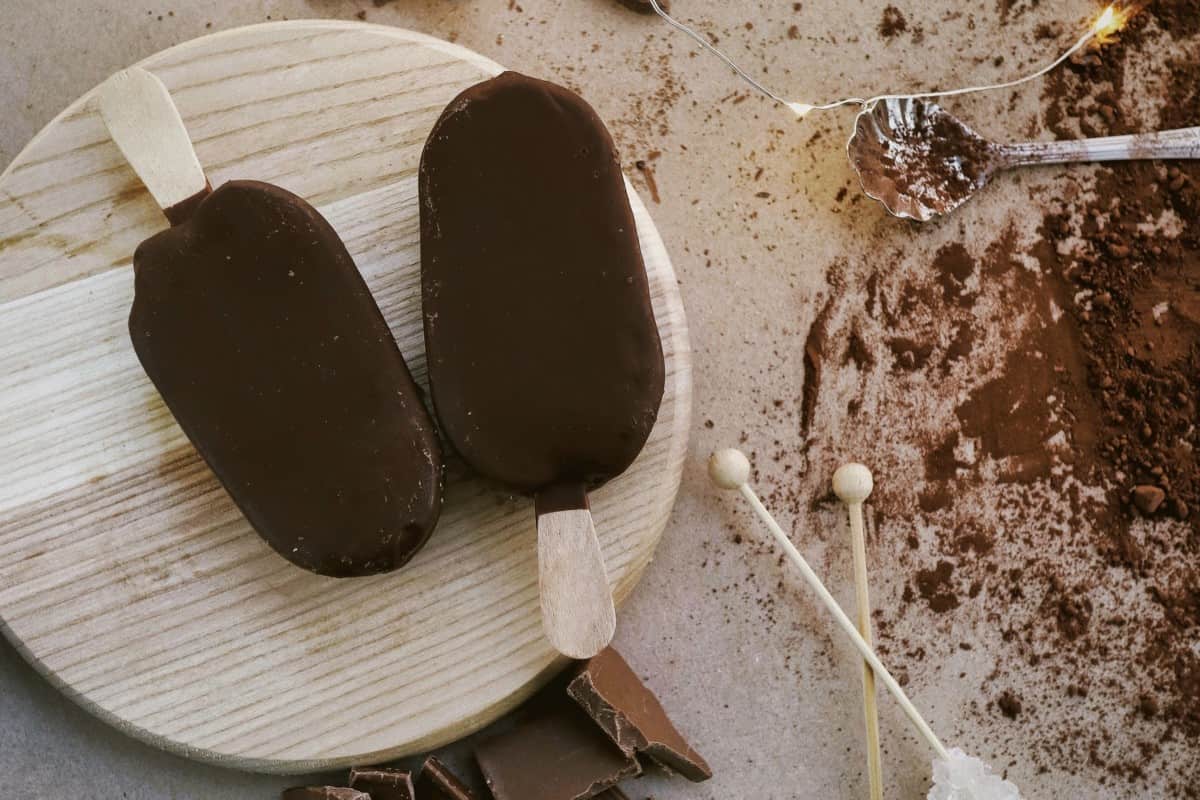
x,y
755,208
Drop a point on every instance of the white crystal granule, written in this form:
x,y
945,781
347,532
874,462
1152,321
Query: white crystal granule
x,y
963,777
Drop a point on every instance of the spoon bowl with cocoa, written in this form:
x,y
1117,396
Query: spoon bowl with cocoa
x,y
921,162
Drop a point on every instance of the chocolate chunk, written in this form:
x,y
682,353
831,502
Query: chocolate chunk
x,y
558,755
1148,499
629,713
612,793
323,793
544,358
383,784
436,782
260,334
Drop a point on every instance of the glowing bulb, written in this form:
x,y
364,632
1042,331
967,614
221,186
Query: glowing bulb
x,y
1109,22
801,109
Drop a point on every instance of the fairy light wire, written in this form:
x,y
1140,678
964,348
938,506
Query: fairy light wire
x,y
710,47
1107,22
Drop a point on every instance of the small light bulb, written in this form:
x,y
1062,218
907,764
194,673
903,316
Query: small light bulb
x,y
801,109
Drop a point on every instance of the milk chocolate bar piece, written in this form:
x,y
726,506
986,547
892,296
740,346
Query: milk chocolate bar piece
x,y
260,334
383,784
545,362
323,793
437,782
559,755
629,713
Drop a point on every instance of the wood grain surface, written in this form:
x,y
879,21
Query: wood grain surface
x,y
127,576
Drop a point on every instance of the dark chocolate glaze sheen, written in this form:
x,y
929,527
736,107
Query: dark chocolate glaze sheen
x,y
544,358
264,341
437,782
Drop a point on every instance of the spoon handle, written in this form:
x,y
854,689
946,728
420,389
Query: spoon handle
x,y
1176,144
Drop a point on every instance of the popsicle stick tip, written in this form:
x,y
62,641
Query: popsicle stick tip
x,y
729,469
119,82
578,615
142,120
852,483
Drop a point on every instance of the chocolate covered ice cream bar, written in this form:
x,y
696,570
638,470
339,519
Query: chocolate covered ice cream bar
x,y
545,362
260,334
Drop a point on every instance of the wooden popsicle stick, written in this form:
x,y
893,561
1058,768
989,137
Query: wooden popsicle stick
x,y
852,483
578,615
142,119
730,469
577,612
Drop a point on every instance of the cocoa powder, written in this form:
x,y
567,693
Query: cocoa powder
x,y
1028,401
892,23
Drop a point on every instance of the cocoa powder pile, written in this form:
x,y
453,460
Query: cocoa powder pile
x,y
1028,401
892,23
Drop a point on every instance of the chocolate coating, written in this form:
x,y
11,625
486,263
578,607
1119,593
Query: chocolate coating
x,y
383,784
323,793
544,358
436,782
254,324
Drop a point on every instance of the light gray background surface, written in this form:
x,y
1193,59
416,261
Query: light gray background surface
x,y
768,695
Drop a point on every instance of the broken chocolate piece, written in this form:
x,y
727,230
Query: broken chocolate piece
x,y
436,782
559,755
383,784
612,793
1148,498
323,793
629,713
260,334
545,362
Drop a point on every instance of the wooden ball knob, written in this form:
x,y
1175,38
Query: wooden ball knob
x,y
729,469
852,483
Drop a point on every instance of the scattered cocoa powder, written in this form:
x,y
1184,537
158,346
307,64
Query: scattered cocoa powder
x,y
1009,705
935,587
647,171
1029,401
814,358
893,22
953,265
1130,256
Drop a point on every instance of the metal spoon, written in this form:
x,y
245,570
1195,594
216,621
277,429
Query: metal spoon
x,y
921,162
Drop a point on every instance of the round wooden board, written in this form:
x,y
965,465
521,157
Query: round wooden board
x,y
127,576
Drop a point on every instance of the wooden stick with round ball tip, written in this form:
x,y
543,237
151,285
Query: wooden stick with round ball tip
x,y
852,483
730,469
